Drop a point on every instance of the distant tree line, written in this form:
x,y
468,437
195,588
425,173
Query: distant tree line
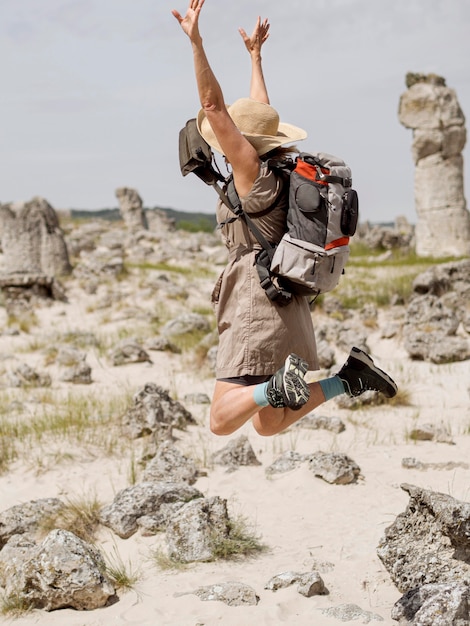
x,y
193,222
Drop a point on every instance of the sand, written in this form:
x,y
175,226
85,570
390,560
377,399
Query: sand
x,y
305,522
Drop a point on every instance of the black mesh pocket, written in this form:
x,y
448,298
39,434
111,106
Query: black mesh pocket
x,y
349,212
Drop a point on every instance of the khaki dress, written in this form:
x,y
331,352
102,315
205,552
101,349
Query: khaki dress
x,y
255,334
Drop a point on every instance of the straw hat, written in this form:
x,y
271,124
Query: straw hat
x,y
258,122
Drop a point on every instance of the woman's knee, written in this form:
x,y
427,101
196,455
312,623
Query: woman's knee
x,y
218,425
266,428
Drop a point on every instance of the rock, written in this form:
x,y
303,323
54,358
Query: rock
x,y
428,543
26,376
18,550
197,398
32,240
131,208
377,237
368,398
23,291
162,344
333,467
445,604
155,411
325,353
281,581
431,432
436,347
311,584
236,453
186,323
351,334
63,572
145,498
159,222
432,110
26,518
170,465
75,369
129,351
413,463
231,593
349,612
317,422
194,531
428,314
437,310
98,265
157,522
287,462
440,279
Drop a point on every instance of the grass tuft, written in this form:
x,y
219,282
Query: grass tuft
x,y
79,516
121,574
241,541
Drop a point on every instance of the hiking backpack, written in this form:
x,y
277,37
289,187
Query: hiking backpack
x,y
322,215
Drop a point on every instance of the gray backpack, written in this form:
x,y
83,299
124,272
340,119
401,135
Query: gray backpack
x,y
322,215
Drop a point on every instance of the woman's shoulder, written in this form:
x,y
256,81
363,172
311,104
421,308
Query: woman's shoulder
x,y
266,189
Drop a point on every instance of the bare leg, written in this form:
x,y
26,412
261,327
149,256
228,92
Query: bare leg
x,y
233,405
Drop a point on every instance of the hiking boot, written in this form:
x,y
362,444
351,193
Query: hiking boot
x,y
287,387
359,374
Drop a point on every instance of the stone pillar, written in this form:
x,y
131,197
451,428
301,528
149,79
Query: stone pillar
x,y
131,208
32,240
432,111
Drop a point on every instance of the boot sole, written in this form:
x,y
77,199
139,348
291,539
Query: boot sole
x,y
296,389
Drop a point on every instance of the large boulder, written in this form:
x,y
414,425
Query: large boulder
x,y
64,571
429,543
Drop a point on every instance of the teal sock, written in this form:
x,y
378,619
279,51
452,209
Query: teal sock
x,y
259,394
332,387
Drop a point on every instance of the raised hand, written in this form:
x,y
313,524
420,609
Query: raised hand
x,y
258,37
189,23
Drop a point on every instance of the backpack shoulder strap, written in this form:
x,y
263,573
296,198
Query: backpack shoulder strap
x,y
265,256
231,199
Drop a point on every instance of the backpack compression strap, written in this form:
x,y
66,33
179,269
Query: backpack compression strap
x,y
309,168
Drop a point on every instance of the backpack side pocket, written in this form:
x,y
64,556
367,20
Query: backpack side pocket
x,y
307,269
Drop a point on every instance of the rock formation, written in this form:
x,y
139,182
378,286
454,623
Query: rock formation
x,y
34,251
32,240
432,110
131,208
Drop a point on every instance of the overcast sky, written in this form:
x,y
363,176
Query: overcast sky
x,y
93,93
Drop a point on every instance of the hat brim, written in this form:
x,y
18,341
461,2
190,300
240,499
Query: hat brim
x,y
287,133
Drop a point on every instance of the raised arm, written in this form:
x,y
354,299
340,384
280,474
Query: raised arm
x,y
258,90
236,148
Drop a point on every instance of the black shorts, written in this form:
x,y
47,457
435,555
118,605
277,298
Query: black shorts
x,y
245,380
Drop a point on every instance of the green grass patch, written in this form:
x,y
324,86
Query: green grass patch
x,y
370,278
198,271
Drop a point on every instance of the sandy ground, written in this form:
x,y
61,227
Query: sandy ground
x,y
305,522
